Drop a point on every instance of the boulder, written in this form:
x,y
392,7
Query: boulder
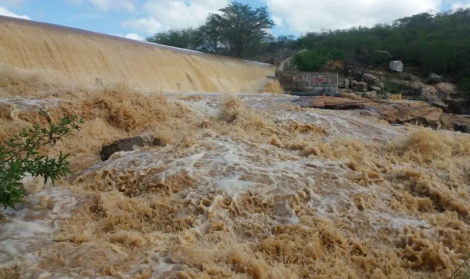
x,y
395,112
369,95
359,86
434,78
460,123
369,76
464,128
120,145
445,90
430,96
429,90
375,88
341,84
428,93
345,90
458,106
129,144
421,87
347,83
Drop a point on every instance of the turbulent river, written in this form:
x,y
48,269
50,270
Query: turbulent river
x,y
240,186
237,186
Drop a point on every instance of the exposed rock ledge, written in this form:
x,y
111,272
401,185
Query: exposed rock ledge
x,y
398,112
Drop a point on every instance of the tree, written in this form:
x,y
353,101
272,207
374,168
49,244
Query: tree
x,y
239,25
238,31
183,38
424,42
20,155
282,42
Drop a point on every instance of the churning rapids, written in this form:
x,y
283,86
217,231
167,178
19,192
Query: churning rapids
x,y
243,186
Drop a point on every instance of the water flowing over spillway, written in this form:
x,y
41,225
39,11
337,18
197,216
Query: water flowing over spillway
x,y
90,58
239,186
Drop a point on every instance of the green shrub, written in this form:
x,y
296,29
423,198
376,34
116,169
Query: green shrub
x,y
395,87
19,156
464,85
313,59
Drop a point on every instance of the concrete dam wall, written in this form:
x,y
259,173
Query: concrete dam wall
x,y
84,57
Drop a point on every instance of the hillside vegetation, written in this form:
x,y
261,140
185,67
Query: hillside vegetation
x,y
425,42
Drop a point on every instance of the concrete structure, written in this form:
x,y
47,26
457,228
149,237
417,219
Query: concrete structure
x,y
309,82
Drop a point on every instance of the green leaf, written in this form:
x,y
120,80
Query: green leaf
x,y
20,155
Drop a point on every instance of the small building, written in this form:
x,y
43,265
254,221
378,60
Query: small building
x,y
396,66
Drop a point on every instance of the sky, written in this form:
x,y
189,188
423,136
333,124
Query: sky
x,y
137,19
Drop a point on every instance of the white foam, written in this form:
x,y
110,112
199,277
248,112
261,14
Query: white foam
x,y
233,186
21,237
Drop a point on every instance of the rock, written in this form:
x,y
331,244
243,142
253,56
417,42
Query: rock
x,y
347,83
458,106
369,95
376,88
393,112
409,77
402,82
445,90
120,145
464,128
427,93
379,84
341,84
359,86
345,90
429,90
430,97
434,78
369,76
353,85
461,123
420,87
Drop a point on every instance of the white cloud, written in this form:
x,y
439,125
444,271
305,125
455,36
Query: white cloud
x,y
458,5
148,25
277,20
107,5
6,12
167,14
134,36
131,36
313,15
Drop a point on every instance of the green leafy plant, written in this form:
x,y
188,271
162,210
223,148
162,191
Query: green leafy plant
x,y
464,85
396,87
463,271
20,155
314,59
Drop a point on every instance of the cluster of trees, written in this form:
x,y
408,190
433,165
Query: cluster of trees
x,y
425,42
237,28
